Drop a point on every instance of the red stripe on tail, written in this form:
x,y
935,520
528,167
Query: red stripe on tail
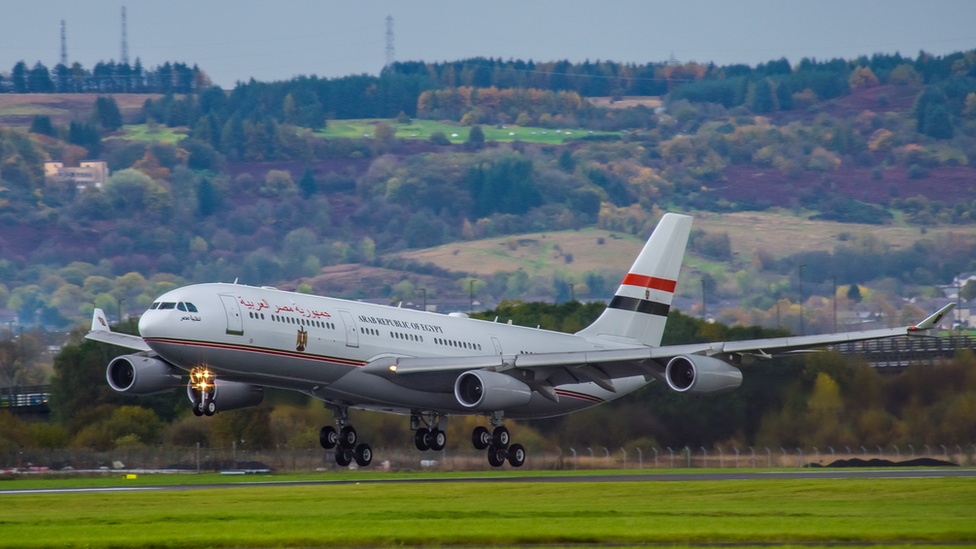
x,y
650,282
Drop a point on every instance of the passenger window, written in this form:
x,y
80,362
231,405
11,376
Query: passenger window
x,y
154,305
167,306
191,307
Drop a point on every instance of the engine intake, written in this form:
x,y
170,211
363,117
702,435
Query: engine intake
x,y
485,391
702,375
231,395
141,376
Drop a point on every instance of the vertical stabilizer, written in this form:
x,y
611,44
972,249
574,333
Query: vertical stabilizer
x,y
640,307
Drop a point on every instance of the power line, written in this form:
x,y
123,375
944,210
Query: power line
x,y
64,46
124,59
390,54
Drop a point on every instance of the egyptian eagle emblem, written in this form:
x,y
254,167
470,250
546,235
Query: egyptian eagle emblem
x,y
302,340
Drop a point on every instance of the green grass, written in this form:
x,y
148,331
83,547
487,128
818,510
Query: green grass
x,y
768,511
140,132
27,110
421,129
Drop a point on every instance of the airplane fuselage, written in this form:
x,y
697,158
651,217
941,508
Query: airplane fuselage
x,y
319,346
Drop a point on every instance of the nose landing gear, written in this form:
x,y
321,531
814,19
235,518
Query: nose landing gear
x,y
203,390
344,440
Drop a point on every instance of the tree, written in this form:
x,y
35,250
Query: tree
x,y
85,135
968,291
862,77
307,184
762,99
402,118
106,113
19,78
42,125
476,136
937,122
39,79
206,197
439,138
854,293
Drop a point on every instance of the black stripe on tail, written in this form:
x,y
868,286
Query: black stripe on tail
x,y
639,305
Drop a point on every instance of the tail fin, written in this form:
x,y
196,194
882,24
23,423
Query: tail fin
x,y
640,307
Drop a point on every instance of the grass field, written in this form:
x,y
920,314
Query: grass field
x,y
141,132
768,511
421,129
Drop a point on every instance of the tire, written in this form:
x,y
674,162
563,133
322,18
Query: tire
x,y
516,455
328,437
438,440
422,439
496,457
348,437
211,408
197,408
343,457
500,437
364,455
481,438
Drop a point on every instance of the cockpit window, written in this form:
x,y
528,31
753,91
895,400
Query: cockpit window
x,y
167,306
181,307
154,305
191,307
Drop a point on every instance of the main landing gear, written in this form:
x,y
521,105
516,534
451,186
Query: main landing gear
x,y
203,392
497,444
344,441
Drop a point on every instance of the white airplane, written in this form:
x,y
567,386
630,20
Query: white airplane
x,y
233,340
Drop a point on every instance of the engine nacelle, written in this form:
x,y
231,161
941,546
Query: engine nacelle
x,y
702,375
232,395
486,391
140,375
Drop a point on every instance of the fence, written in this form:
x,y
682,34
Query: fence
x,y
307,460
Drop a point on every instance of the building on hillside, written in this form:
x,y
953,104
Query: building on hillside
x,y
88,173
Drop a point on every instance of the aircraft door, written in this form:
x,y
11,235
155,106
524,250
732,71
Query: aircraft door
x,y
352,336
497,344
235,324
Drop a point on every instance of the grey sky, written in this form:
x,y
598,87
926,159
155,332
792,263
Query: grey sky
x,y
237,40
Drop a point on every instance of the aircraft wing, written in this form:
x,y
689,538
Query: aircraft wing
x,y
601,367
101,332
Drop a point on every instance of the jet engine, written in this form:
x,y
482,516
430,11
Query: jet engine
x,y
140,375
486,391
231,395
702,375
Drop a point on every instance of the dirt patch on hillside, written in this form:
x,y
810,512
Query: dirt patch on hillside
x,y
626,102
18,109
749,183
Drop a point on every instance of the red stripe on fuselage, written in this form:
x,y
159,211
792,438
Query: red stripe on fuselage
x,y
651,282
260,350
580,396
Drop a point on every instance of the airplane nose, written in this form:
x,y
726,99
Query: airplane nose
x,y
149,324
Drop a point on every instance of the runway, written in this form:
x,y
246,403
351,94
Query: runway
x,y
817,474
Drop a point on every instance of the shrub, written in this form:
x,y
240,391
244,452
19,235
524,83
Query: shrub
x,y
439,138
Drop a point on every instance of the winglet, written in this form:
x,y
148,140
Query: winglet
x,y
99,322
932,321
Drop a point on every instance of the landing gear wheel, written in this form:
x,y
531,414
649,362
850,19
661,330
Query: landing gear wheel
x,y
422,439
347,437
481,438
197,408
496,457
210,408
364,455
438,440
343,457
328,437
500,437
516,455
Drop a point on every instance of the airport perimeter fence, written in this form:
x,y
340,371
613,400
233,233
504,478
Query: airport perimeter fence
x,y
241,459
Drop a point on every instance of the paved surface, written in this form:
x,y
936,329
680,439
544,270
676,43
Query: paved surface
x,y
667,477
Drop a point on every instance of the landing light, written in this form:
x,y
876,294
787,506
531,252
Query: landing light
x,y
393,368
